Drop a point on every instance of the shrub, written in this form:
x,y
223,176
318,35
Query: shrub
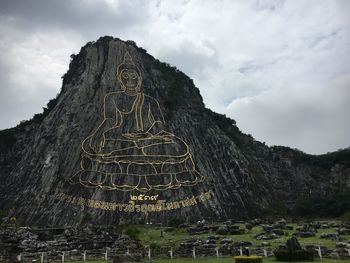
x,y
248,259
249,226
332,205
154,246
7,138
346,217
132,232
175,222
296,255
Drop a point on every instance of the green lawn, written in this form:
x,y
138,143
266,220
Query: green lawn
x,y
151,234
231,260
220,260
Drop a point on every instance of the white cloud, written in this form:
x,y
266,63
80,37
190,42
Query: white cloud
x,y
305,117
31,71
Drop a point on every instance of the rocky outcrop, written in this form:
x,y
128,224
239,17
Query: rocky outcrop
x,y
243,177
28,245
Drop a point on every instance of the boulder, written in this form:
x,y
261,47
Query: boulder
x,y
305,234
267,228
214,237
344,231
329,235
342,245
242,243
278,232
226,241
210,241
280,224
266,236
222,230
198,230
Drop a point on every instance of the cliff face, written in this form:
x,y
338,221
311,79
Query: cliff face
x,y
241,176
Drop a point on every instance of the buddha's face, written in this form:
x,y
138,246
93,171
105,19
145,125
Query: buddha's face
x,y
129,79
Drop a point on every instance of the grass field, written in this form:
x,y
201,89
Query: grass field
x,y
231,260
151,234
220,260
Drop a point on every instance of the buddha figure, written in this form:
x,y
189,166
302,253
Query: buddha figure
x,y
130,150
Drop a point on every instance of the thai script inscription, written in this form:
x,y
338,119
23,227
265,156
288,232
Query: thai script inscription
x,y
143,197
133,206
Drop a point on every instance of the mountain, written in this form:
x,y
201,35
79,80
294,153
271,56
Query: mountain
x,y
128,139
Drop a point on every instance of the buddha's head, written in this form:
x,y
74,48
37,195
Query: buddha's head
x,y
129,76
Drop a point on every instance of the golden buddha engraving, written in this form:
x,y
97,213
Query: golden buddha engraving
x,y
130,150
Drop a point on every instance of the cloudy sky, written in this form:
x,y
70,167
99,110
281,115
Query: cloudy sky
x,y
281,69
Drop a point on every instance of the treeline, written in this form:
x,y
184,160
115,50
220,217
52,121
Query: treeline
x,y
334,205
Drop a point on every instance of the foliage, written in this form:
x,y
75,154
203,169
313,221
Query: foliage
x,y
175,221
346,217
132,232
154,246
39,117
296,255
334,205
7,138
248,259
175,92
249,226
229,127
327,161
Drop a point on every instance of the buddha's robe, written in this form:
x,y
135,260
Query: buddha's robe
x,y
130,149
137,132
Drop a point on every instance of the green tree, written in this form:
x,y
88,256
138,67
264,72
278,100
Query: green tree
x,y
132,232
175,222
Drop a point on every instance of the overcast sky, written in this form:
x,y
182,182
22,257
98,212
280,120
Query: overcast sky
x,y
281,69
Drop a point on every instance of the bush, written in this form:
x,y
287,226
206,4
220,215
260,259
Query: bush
x,y
296,255
175,222
154,246
132,232
332,205
248,259
346,217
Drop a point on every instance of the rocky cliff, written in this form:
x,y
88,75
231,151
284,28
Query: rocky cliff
x,y
242,177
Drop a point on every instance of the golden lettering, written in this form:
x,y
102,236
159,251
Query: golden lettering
x,y
132,206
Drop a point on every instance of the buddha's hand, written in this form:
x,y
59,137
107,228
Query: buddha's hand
x,y
136,136
165,136
97,142
163,133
